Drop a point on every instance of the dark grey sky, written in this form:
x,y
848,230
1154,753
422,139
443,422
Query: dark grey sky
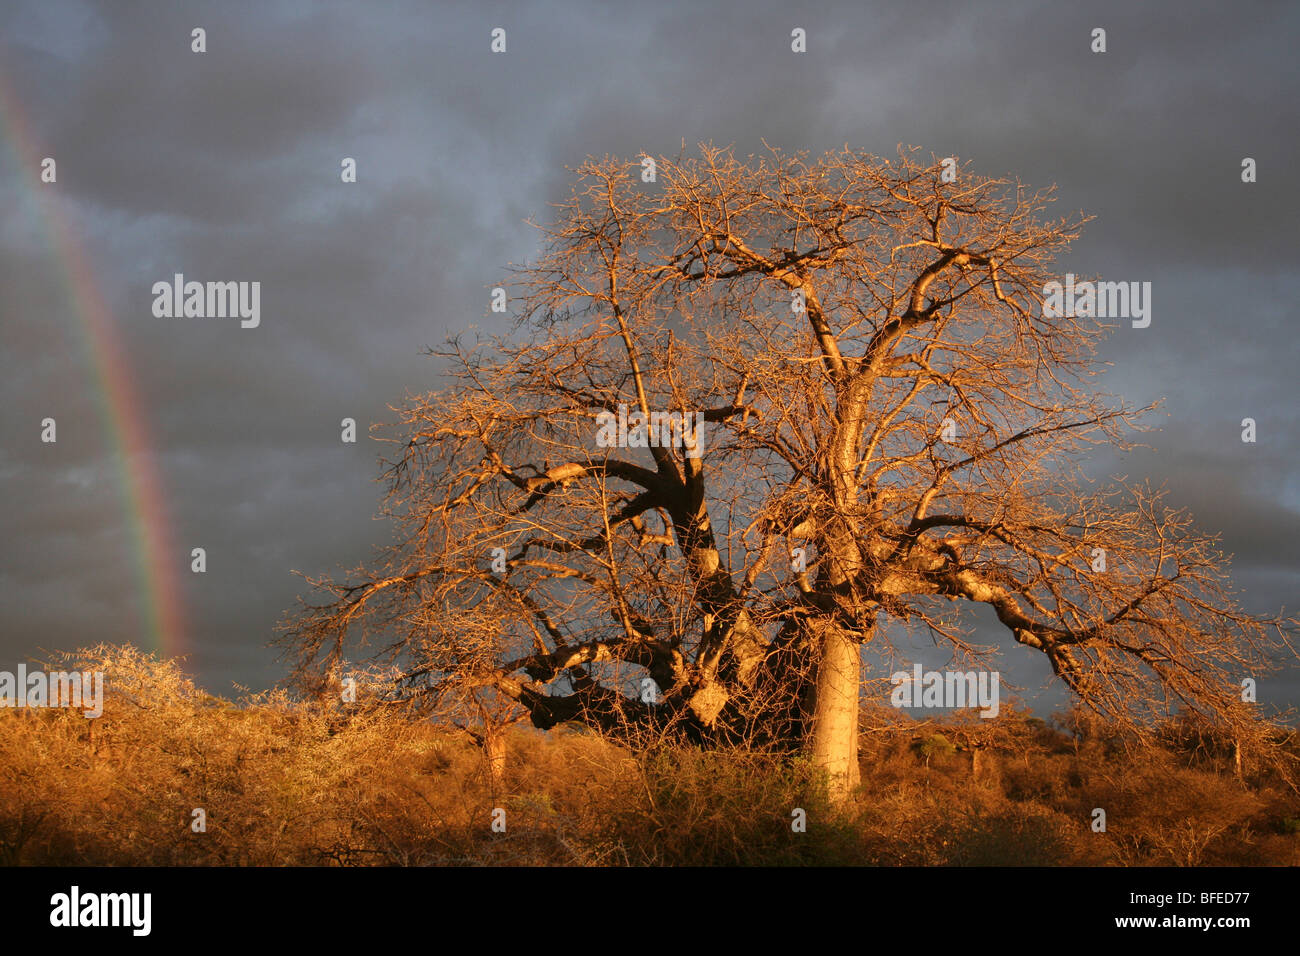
x,y
225,165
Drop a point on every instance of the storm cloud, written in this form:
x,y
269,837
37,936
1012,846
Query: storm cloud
x,y
225,166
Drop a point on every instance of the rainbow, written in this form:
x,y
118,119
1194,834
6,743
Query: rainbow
x,y
156,561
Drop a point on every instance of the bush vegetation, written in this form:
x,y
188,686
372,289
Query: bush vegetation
x,y
310,782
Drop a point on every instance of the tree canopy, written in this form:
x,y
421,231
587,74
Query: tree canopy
x,y
861,412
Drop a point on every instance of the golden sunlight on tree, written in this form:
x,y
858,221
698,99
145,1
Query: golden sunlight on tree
x,y
751,412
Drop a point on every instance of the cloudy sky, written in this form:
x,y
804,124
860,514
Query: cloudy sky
x,y
225,165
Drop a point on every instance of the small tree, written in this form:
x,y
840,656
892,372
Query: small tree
x,y
749,413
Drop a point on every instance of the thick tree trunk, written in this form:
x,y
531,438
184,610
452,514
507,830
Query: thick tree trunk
x,y
494,751
835,712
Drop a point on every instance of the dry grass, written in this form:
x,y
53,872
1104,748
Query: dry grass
x,y
291,783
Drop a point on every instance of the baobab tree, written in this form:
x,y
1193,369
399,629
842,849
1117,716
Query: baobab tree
x,y
749,413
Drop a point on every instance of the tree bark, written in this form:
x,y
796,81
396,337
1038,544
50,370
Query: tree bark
x,y
494,751
835,712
